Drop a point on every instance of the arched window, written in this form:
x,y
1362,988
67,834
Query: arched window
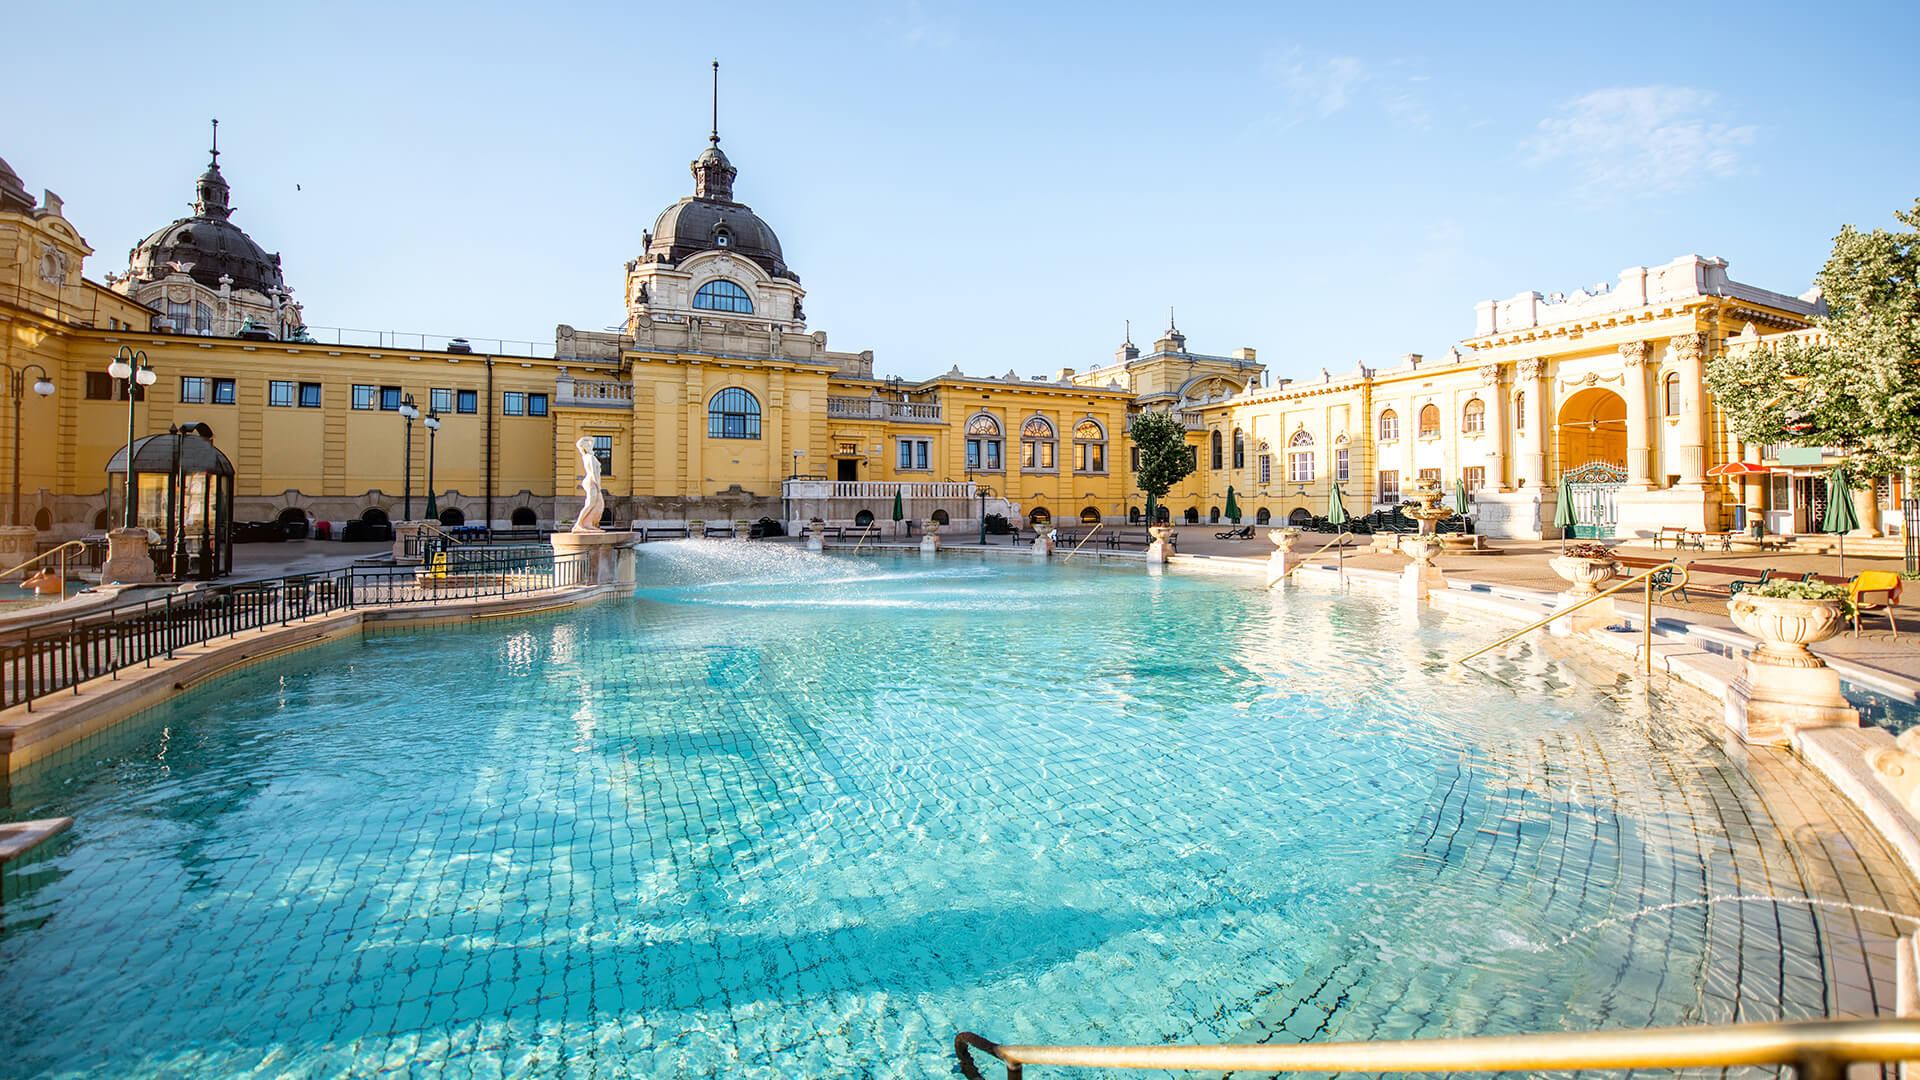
x,y
940,517
1300,516
453,515
863,519
1239,449
984,443
723,295
292,515
1213,515
1090,446
1037,444
1520,412
1219,458
524,517
42,519
373,515
733,414
1089,515
1670,393
1193,515
1133,515
1262,516
1473,419
102,521
1300,458
1429,421
1040,516
1389,426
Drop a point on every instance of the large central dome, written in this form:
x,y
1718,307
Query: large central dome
x,y
209,244
712,221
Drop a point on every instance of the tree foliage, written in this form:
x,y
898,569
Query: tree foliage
x,y
1164,460
1858,390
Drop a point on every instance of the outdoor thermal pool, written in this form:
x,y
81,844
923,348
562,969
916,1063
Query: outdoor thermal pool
x,y
783,814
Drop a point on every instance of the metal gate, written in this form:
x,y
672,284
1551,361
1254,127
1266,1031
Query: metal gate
x,y
1592,487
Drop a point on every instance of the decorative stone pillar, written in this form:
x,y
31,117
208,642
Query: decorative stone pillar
x,y
16,544
607,558
1866,511
1042,543
1158,551
1633,359
128,561
1497,464
1689,355
1278,564
929,537
816,535
1530,378
1785,687
1421,577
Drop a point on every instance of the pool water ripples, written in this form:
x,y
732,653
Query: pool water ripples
x,y
783,814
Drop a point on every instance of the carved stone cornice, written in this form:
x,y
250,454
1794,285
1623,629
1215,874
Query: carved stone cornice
x,y
1636,353
1490,374
1689,348
1531,369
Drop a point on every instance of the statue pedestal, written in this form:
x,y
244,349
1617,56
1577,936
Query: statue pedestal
x,y
609,557
17,543
817,536
128,562
1772,703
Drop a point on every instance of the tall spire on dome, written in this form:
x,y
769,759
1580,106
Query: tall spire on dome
x,y
712,173
210,194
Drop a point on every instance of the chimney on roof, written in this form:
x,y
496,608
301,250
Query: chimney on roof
x,y
1413,360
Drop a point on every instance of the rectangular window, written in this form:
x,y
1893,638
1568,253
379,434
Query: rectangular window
x,y
536,404
364,397
309,395
1390,486
1300,467
913,454
1341,458
1475,477
180,315
202,318
389,399
973,453
513,403
1046,455
440,400
467,401
1193,459
102,386
1092,457
1266,469
920,455
280,394
906,454
193,390
1429,474
1135,455
993,455
224,392
603,449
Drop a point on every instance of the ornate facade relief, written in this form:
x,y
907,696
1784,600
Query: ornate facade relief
x,y
1535,368
1636,353
1689,347
1490,374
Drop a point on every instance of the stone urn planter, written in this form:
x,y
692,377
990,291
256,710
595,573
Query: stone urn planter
x,y
1283,539
696,529
816,535
1786,627
1586,573
1157,551
1420,548
742,529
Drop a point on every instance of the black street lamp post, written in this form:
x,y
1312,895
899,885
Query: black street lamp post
x,y
130,365
433,431
409,410
43,386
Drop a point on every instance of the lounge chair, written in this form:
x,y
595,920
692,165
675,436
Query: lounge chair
x,y
1875,590
1235,534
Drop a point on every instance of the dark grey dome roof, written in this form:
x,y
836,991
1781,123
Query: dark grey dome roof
x,y
214,245
154,454
13,193
697,224
691,226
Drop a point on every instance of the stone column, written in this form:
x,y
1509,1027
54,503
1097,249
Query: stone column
x,y
1868,513
1633,360
128,562
1531,379
1689,354
1490,377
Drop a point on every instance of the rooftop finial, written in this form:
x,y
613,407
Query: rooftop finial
x,y
715,137
1129,331
216,142
1171,325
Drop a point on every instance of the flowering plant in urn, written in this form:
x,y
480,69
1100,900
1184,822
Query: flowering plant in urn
x,y
1788,616
1586,566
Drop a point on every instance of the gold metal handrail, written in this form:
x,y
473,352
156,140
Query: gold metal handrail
x,y
1815,1049
1083,541
60,550
1646,622
863,536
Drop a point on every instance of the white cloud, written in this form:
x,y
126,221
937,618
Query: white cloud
x,y
1641,138
1319,86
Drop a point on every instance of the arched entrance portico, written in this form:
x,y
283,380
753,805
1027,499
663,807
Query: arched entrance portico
x,y
1591,448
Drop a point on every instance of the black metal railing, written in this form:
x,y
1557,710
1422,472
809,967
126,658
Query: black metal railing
x,y
50,655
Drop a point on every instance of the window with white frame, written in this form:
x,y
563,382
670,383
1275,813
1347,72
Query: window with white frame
x,y
1473,419
1389,426
1475,477
1390,486
984,443
1266,469
1300,458
1342,463
915,454
1090,446
1037,444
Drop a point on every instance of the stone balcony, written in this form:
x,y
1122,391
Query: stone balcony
x,y
571,393
892,412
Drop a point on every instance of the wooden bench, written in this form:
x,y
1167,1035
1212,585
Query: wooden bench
x,y
648,534
1675,533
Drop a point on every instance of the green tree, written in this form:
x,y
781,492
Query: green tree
x,y
1859,389
1164,460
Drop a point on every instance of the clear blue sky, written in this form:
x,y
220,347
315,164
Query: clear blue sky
x,y
991,186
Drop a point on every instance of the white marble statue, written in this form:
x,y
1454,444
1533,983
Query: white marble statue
x,y
589,519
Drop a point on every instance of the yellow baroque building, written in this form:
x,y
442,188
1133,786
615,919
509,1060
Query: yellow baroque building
x,y
716,401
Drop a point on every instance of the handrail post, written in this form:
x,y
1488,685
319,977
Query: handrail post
x,y
1083,540
1646,623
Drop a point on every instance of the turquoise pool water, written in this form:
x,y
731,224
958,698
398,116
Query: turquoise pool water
x,y
786,815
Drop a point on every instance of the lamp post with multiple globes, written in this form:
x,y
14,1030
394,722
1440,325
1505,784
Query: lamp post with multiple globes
x,y
409,410
433,430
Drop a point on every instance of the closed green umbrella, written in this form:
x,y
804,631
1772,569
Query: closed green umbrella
x,y
1337,516
1233,508
1841,518
1564,518
899,511
1460,503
